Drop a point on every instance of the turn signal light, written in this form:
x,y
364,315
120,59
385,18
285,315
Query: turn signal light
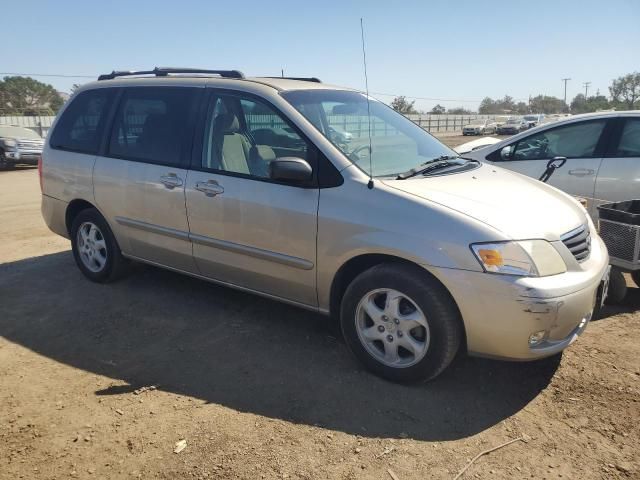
x,y
491,257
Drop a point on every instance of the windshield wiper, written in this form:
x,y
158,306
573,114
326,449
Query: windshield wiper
x,y
431,165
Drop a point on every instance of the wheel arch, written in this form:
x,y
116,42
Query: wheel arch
x,y
73,209
360,263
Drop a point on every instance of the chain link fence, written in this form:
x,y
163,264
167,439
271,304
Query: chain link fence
x,y
358,125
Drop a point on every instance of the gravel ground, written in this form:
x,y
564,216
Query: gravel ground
x,y
263,390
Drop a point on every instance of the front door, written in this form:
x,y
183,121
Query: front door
x,y
246,229
140,181
580,143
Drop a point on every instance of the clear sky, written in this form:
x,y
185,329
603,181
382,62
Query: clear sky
x,y
451,50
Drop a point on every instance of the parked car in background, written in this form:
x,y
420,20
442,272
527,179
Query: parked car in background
x,y
340,136
416,251
534,119
554,117
19,145
602,152
479,127
512,126
501,120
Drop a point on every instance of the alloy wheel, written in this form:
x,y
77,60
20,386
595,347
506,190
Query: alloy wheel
x,y
392,328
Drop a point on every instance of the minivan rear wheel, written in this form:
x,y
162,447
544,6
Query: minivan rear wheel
x,y
401,323
95,249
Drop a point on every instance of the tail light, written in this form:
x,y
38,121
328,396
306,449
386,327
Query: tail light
x,y
40,172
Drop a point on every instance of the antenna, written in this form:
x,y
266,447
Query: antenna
x,y
366,84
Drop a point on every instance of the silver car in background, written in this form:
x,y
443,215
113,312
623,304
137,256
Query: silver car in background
x,y
416,251
480,127
19,145
602,152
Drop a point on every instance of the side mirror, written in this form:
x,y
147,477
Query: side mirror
x,y
506,153
290,169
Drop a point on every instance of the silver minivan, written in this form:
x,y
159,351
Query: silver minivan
x,y
419,253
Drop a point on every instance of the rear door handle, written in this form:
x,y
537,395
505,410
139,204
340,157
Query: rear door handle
x,y
171,181
210,188
581,172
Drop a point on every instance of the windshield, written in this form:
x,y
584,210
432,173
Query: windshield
x,y
397,144
513,120
7,131
530,117
478,122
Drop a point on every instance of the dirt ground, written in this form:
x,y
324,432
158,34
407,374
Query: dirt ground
x,y
263,390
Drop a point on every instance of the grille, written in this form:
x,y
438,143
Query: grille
x,y
621,240
578,241
31,144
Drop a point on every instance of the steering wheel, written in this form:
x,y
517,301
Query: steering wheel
x,y
354,155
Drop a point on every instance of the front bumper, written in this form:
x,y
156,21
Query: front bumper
x,y
501,312
29,157
508,131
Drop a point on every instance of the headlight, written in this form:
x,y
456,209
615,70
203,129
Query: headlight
x,y
531,258
10,143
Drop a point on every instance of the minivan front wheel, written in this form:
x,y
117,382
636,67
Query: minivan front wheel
x,y
400,323
95,249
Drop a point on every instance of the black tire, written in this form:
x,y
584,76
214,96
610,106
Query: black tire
x,y
4,164
617,287
116,265
441,312
635,275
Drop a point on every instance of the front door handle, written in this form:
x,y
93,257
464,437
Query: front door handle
x,y
210,188
581,172
171,181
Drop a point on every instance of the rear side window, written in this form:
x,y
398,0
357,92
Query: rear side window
x,y
151,124
578,140
82,123
629,145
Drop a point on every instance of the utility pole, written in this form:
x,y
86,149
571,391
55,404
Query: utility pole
x,y
586,89
565,80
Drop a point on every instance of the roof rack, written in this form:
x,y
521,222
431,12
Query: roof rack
x,y
165,71
302,79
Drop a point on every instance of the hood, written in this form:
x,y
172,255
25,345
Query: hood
x,y
23,139
518,206
476,144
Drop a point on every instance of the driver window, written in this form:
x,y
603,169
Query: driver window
x,y
243,136
573,141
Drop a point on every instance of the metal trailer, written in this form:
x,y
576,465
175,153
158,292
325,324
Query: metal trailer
x,y
619,228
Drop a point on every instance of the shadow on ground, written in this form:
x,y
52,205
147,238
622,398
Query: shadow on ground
x,y
244,352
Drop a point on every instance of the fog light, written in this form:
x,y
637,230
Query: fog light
x,y
536,338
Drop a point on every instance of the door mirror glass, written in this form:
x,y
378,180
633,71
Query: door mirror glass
x,y
290,169
506,153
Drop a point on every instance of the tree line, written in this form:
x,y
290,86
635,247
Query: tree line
x,y
27,96
624,94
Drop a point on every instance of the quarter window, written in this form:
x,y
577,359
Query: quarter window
x,y
572,141
82,123
151,124
243,136
629,145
